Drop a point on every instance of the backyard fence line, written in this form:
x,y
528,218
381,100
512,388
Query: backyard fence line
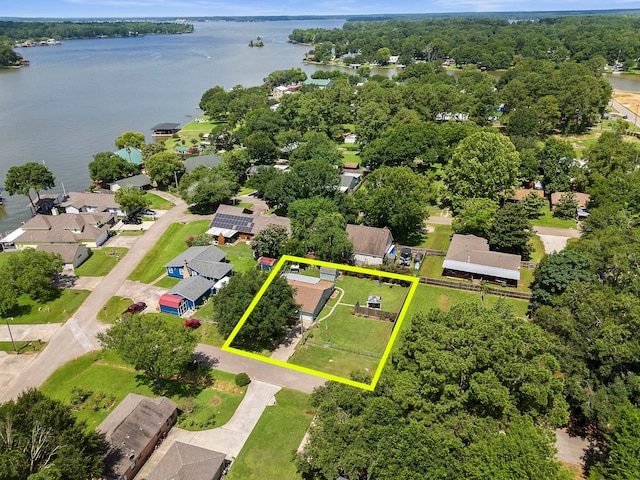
x,y
475,288
375,312
443,253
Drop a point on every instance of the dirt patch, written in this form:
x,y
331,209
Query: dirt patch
x,y
576,470
628,98
214,401
443,302
224,386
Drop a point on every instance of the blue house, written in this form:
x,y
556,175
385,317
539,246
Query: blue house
x,y
173,304
208,262
194,290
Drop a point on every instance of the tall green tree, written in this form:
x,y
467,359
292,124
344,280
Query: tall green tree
x,y
483,165
511,231
208,187
107,167
164,167
39,435
160,348
394,197
328,239
266,325
131,199
33,272
475,217
304,212
130,139
21,179
270,242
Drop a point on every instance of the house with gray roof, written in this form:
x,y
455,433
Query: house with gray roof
x,y
140,181
78,202
469,257
208,161
73,255
194,290
90,229
165,129
132,431
370,244
188,462
208,262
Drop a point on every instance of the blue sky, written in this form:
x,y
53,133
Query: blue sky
x,y
184,8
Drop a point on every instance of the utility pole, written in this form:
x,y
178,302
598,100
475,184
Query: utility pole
x,y
175,176
11,335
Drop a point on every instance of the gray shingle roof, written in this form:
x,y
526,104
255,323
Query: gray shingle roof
x,y
206,261
192,288
468,253
188,462
207,160
369,240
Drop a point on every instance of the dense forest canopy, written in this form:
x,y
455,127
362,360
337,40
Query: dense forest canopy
x,y
496,43
21,31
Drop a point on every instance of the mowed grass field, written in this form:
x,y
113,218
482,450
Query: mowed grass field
x,y
268,452
166,248
358,290
104,371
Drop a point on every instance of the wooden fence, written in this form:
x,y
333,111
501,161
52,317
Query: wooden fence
x,y
375,312
475,288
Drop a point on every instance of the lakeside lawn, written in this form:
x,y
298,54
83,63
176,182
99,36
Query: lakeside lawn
x,y
268,452
101,261
57,310
172,243
103,371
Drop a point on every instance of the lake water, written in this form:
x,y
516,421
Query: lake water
x,y
76,98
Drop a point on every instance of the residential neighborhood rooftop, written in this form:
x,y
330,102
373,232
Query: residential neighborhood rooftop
x,y
368,240
468,253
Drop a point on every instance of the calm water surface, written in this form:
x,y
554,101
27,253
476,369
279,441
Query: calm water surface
x,y
76,98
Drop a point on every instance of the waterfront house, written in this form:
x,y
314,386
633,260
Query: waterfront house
x,y
319,82
132,431
165,129
140,181
90,229
76,202
131,155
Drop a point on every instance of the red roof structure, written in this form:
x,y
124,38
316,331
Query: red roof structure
x,y
267,261
169,300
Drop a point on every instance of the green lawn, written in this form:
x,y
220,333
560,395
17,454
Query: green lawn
x,y
167,282
428,297
538,249
351,156
268,452
54,311
548,220
113,309
24,348
241,256
245,191
330,360
104,371
439,239
101,261
246,205
166,248
358,289
343,330
157,202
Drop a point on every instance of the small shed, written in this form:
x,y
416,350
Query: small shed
x,y
173,304
266,263
374,301
329,274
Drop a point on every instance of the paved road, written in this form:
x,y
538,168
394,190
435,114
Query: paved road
x,y
264,372
78,336
631,116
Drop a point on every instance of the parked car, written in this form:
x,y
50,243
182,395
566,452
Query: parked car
x,y
135,308
148,211
405,257
417,261
192,323
131,221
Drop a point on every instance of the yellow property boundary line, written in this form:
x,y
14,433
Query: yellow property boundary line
x,y
385,356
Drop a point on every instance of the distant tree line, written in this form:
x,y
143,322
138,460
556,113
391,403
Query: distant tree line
x,y
21,31
496,43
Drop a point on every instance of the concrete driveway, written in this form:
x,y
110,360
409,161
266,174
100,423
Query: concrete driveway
x,y
141,292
